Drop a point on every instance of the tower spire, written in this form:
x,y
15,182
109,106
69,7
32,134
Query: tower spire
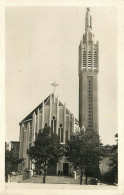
x,y
88,73
88,20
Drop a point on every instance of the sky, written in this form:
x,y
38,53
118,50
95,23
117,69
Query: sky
x,y
41,45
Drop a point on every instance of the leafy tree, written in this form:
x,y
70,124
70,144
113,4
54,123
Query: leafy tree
x,y
111,152
84,152
114,160
46,150
11,162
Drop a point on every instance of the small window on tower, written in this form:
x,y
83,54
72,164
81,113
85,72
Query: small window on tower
x,y
53,117
45,124
95,60
84,59
60,125
89,59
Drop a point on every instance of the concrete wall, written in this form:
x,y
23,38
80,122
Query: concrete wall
x,y
18,178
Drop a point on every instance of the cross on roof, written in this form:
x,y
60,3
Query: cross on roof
x,y
54,85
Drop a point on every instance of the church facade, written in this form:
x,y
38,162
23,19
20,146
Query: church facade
x,y
51,112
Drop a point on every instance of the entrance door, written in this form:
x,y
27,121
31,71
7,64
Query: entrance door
x,y
65,168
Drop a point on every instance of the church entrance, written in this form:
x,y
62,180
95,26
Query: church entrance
x,y
51,170
65,168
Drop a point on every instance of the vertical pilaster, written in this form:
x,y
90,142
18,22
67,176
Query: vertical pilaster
x,y
87,55
50,110
92,56
28,134
57,116
38,120
43,115
33,127
73,123
27,142
64,128
69,125
21,141
97,55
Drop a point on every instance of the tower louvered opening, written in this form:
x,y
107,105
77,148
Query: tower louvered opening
x,y
89,60
95,65
84,59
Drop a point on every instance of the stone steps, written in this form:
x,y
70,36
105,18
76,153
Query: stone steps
x,y
52,180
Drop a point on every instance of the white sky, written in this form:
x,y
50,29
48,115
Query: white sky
x,y
42,46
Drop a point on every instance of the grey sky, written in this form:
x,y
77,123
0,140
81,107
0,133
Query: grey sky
x,y
42,45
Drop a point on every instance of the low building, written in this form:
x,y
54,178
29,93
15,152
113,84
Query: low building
x,y
13,145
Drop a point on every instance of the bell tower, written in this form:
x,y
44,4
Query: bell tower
x,y
88,73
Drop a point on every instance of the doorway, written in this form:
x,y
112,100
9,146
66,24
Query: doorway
x,y
65,169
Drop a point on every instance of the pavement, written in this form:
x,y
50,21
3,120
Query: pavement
x,y
57,189
34,186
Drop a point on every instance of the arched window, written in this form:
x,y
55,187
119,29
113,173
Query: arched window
x,y
95,66
89,60
84,59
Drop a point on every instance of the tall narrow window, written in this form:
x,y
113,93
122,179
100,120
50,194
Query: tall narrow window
x,y
30,135
59,132
66,135
89,60
90,102
53,125
95,66
84,59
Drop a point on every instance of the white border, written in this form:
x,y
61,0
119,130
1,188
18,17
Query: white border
x,y
91,3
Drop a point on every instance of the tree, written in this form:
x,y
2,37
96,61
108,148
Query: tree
x,y
114,160
46,150
11,162
111,152
83,150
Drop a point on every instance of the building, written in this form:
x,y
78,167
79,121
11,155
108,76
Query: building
x,y
13,146
51,112
88,73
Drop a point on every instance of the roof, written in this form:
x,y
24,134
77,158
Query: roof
x,y
46,101
29,116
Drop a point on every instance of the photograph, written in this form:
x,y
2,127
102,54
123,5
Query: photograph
x,y
61,97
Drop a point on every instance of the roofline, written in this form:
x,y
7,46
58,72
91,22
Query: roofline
x,y
34,110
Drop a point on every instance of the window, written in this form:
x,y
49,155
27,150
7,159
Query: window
x,y
95,60
53,117
45,124
89,60
60,125
61,134
30,135
84,59
66,135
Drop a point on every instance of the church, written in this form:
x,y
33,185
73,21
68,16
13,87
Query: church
x,y
53,113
